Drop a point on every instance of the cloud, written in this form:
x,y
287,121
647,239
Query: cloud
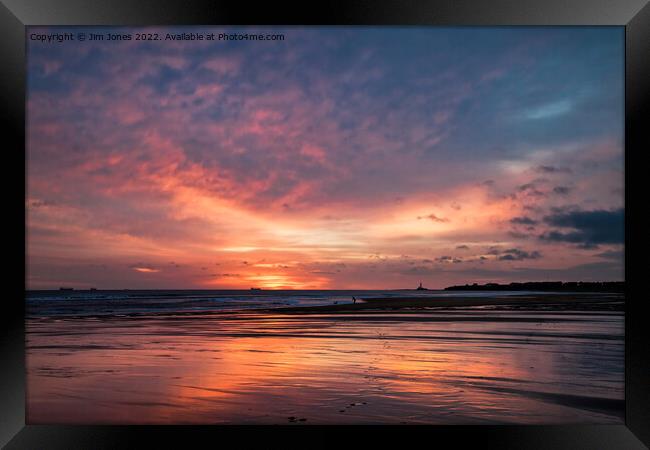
x,y
530,189
462,247
562,190
517,235
616,255
550,110
552,169
587,229
515,254
523,221
40,203
448,259
144,269
434,218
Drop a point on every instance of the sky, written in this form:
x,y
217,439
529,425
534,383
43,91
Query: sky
x,y
336,158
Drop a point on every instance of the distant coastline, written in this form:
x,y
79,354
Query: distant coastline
x,y
540,286
545,286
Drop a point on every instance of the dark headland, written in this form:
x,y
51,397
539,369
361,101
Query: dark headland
x,y
585,296
546,286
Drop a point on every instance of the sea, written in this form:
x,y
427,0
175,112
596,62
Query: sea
x,y
120,302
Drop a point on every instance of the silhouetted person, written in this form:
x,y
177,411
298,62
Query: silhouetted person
x,y
354,300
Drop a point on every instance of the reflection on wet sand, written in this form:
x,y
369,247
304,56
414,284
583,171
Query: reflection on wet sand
x,y
415,367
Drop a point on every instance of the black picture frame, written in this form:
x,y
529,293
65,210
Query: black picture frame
x,y
634,15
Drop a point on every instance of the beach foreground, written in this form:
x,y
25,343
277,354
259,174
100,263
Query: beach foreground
x,y
527,359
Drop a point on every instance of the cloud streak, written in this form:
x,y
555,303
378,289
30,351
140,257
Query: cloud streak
x,y
586,228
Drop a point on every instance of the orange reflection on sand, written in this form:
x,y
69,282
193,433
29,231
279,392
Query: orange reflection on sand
x,y
265,368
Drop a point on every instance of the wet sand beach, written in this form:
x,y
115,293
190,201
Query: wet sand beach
x,y
529,359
